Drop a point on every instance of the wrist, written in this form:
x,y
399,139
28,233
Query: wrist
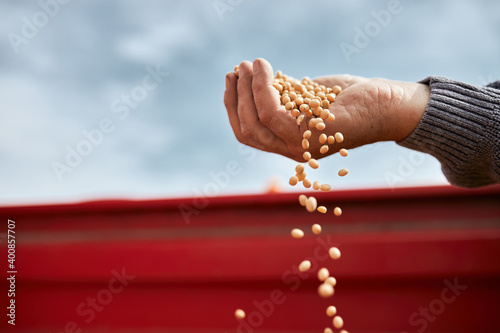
x,y
407,106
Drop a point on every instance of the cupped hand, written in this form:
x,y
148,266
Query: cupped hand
x,y
366,111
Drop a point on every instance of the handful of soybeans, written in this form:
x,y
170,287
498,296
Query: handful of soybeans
x,y
309,102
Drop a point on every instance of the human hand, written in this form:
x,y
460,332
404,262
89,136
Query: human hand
x,y
366,111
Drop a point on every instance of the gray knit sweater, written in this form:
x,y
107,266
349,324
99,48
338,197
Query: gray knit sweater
x,y
461,128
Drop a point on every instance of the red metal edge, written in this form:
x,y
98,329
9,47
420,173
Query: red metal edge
x,y
125,205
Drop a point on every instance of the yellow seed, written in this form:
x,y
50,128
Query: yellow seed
x,y
339,137
336,90
295,112
313,163
338,322
316,185
239,314
323,274
321,126
312,123
325,104
322,209
337,211
327,330
316,229
319,93
343,152
289,105
307,134
325,187
330,97
297,233
343,331
285,99
299,119
323,149
322,138
325,290
331,311
309,113
293,96
299,168
302,199
314,103
278,87
343,172
305,143
331,139
306,183
311,204
324,114
331,281
331,117
304,266
317,111
287,86
279,74
303,107
237,70
306,155
301,176
307,100
334,253
293,180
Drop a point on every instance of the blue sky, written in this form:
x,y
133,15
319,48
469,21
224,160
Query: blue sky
x,y
76,67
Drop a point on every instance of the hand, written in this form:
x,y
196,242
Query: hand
x,y
366,111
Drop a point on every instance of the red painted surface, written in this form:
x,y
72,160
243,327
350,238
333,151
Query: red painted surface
x,y
401,249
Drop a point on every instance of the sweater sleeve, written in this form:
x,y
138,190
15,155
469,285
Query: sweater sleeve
x,y
461,128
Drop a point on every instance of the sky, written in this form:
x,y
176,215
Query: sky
x,y
124,99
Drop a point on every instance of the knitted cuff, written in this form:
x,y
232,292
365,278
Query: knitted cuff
x,y
461,128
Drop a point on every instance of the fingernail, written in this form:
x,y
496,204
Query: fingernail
x,y
256,66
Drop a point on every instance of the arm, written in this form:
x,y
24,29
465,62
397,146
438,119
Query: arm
x,y
366,111
461,128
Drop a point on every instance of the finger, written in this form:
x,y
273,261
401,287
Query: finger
x,y
251,127
231,103
269,109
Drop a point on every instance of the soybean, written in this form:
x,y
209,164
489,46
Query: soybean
x,y
302,199
331,311
311,204
304,266
325,187
305,143
343,172
313,163
316,228
334,253
297,233
323,274
337,211
322,209
239,314
293,180
343,152
325,290
338,322
339,137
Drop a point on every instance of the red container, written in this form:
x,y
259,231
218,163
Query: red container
x,y
413,260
